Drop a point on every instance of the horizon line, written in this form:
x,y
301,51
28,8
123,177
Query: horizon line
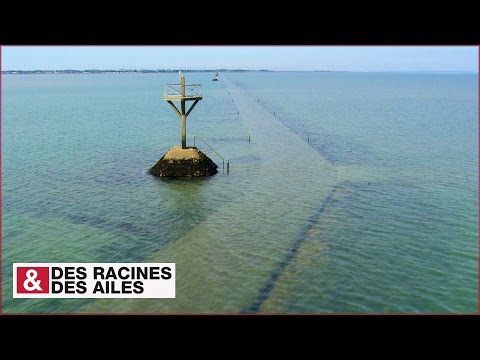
x,y
224,70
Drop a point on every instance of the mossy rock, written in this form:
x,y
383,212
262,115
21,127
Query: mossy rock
x,y
189,162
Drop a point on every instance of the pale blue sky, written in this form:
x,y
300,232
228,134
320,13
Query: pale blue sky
x,y
340,58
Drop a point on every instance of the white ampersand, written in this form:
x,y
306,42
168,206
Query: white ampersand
x,y
31,276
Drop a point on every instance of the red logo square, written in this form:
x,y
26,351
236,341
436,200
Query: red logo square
x,y
33,280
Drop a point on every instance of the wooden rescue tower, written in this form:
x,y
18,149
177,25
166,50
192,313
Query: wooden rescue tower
x,y
183,93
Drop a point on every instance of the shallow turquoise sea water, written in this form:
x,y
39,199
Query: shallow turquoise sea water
x,y
358,193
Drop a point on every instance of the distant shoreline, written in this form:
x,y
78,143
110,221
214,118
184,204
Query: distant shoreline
x,y
162,71
121,71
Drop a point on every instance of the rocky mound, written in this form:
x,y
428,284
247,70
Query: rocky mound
x,y
189,162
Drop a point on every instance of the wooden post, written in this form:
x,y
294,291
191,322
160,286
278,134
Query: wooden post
x,y
181,111
183,117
